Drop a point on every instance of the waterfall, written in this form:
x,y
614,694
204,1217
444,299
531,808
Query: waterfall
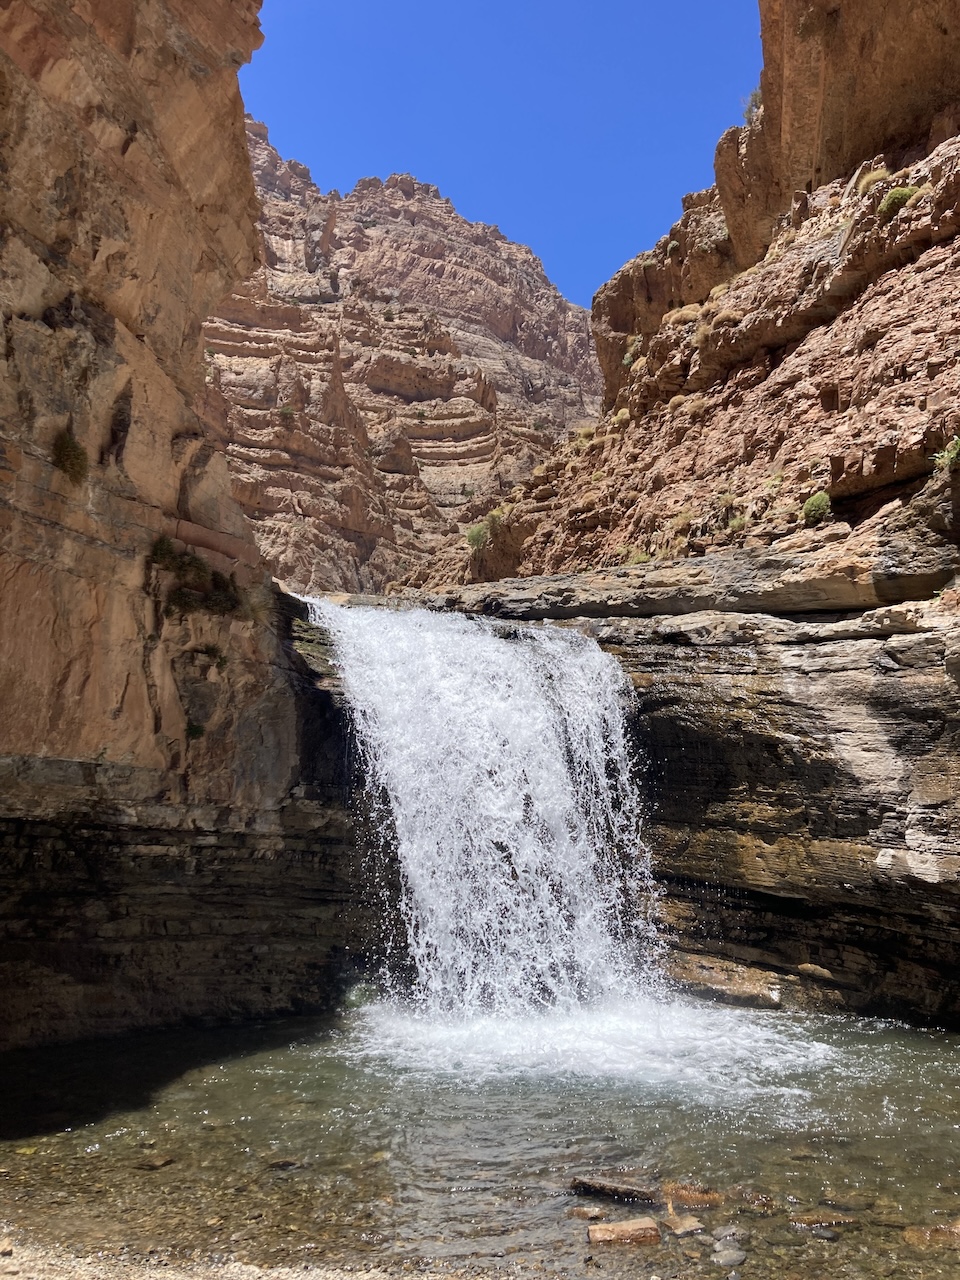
x,y
504,761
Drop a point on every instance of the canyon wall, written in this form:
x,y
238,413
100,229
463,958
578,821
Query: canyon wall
x,y
841,81
764,526
162,792
386,378
801,771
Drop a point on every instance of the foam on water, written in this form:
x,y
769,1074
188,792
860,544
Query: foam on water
x,y
501,774
709,1052
507,777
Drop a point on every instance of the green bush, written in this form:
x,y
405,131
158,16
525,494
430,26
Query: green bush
x,y
70,457
634,555
162,553
894,201
627,361
478,535
215,654
816,509
949,456
194,731
198,588
751,108
493,520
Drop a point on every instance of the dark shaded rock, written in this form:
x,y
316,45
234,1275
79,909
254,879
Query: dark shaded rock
x,y
619,1184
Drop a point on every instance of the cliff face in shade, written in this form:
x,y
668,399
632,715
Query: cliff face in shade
x,y
841,80
151,738
386,377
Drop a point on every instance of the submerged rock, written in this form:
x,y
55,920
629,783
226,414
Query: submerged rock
x,y
692,1195
619,1184
823,1218
728,1256
632,1231
684,1224
942,1237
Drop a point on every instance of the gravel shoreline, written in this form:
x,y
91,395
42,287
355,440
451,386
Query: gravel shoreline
x,y
31,1262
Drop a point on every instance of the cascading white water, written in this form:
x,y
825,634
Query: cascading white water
x,y
506,768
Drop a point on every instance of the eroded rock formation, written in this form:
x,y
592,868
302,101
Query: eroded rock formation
x,y
829,367
765,526
841,81
150,737
389,374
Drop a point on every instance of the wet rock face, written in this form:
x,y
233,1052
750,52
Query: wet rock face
x,y
386,378
802,775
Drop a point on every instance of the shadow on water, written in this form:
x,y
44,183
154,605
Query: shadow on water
x,y
65,1086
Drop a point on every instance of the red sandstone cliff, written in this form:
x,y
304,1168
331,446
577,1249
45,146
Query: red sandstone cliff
x,y
128,212
800,340
389,374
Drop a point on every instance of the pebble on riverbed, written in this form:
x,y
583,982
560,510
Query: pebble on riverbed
x,y
731,1232
684,1224
728,1257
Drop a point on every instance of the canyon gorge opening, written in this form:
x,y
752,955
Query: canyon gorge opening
x,y
693,559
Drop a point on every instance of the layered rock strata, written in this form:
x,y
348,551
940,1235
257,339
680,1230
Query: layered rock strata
x,y
153,741
828,368
386,378
840,81
801,773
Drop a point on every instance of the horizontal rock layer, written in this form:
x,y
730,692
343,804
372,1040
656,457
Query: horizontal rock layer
x,y
801,771
386,378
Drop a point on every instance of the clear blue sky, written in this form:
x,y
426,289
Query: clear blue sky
x,y
574,125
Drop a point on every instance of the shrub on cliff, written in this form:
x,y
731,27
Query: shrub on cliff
x,y
197,587
870,179
69,456
752,106
894,201
483,534
816,509
949,456
478,535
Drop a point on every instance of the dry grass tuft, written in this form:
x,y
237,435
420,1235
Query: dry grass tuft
x,y
683,315
870,179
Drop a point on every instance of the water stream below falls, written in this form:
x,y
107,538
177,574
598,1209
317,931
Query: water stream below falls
x,y
517,1036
